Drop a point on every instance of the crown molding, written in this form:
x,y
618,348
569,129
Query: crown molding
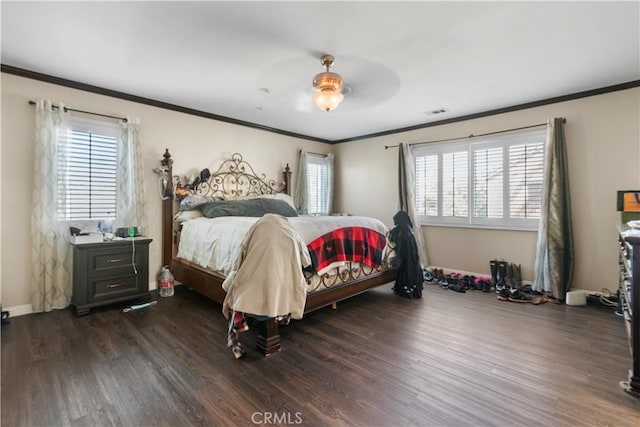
x,y
159,104
546,101
147,101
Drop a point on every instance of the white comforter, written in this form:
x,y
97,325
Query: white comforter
x,y
214,243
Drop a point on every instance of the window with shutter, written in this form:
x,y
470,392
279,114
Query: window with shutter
x,y
525,179
87,164
455,184
317,184
493,181
427,185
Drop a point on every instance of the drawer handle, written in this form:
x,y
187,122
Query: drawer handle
x,y
115,285
116,260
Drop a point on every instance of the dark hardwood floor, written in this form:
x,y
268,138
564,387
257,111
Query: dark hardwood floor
x,y
449,359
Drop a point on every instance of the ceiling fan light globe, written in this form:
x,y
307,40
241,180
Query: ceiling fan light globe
x,y
327,99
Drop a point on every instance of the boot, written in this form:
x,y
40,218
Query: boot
x,y
493,265
502,274
517,276
508,280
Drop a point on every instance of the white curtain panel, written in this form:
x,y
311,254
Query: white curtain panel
x,y
300,193
329,196
407,196
131,201
51,286
541,273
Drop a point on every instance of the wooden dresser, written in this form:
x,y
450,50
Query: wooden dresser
x,y
630,302
110,271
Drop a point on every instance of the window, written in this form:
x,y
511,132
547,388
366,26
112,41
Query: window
x,y
317,179
494,181
87,166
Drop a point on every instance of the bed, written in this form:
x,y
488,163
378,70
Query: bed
x,y
235,179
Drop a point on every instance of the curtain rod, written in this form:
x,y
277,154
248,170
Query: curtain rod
x,y
124,119
317,154
564,120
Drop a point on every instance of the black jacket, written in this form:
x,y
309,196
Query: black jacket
x,y
409,280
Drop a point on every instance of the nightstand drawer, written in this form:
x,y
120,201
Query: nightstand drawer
x,y
110,261
114,287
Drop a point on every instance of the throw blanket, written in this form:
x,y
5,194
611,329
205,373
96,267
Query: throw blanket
x,y
267,278
356,244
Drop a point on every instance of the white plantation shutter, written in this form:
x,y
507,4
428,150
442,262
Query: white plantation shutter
x,y
525,180
491,181
488,200
427,185
317,182
87,170
455,184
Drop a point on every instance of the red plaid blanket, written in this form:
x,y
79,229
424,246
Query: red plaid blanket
x,y
357,244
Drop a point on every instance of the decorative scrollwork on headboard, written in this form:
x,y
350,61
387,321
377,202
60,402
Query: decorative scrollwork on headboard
x,y
234,178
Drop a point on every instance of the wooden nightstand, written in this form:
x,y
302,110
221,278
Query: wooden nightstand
x,y
108,272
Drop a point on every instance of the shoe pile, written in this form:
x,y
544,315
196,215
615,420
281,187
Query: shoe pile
x,y
455,281
506,279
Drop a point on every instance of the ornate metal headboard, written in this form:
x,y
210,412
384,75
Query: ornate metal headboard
x,y
234,178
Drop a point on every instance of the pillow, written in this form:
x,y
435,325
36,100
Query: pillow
x,y
183,216
279,196
247,207
194,201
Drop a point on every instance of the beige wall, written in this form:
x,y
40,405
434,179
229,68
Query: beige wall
x,y
603,144
194,142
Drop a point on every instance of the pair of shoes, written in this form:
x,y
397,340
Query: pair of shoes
x,y
503,294
442,280
458,287
539,300
428,276
480,283
516,296
469,282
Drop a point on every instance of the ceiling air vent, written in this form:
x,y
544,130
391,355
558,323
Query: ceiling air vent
x,y
436,111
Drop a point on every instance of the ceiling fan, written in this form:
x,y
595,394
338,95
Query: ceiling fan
x,y
290,84
328,86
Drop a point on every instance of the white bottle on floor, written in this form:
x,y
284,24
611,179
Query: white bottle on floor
x,y
165,282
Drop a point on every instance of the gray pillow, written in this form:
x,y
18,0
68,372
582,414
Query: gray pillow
x,y
194,201
247,207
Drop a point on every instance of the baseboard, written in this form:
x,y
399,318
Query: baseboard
x,y
21,310
18,310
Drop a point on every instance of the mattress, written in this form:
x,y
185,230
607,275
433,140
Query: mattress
x,y
214,243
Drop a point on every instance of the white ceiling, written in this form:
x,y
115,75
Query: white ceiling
x,y
254,61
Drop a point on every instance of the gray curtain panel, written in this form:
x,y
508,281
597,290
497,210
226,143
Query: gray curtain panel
x,y
553,270
407,196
